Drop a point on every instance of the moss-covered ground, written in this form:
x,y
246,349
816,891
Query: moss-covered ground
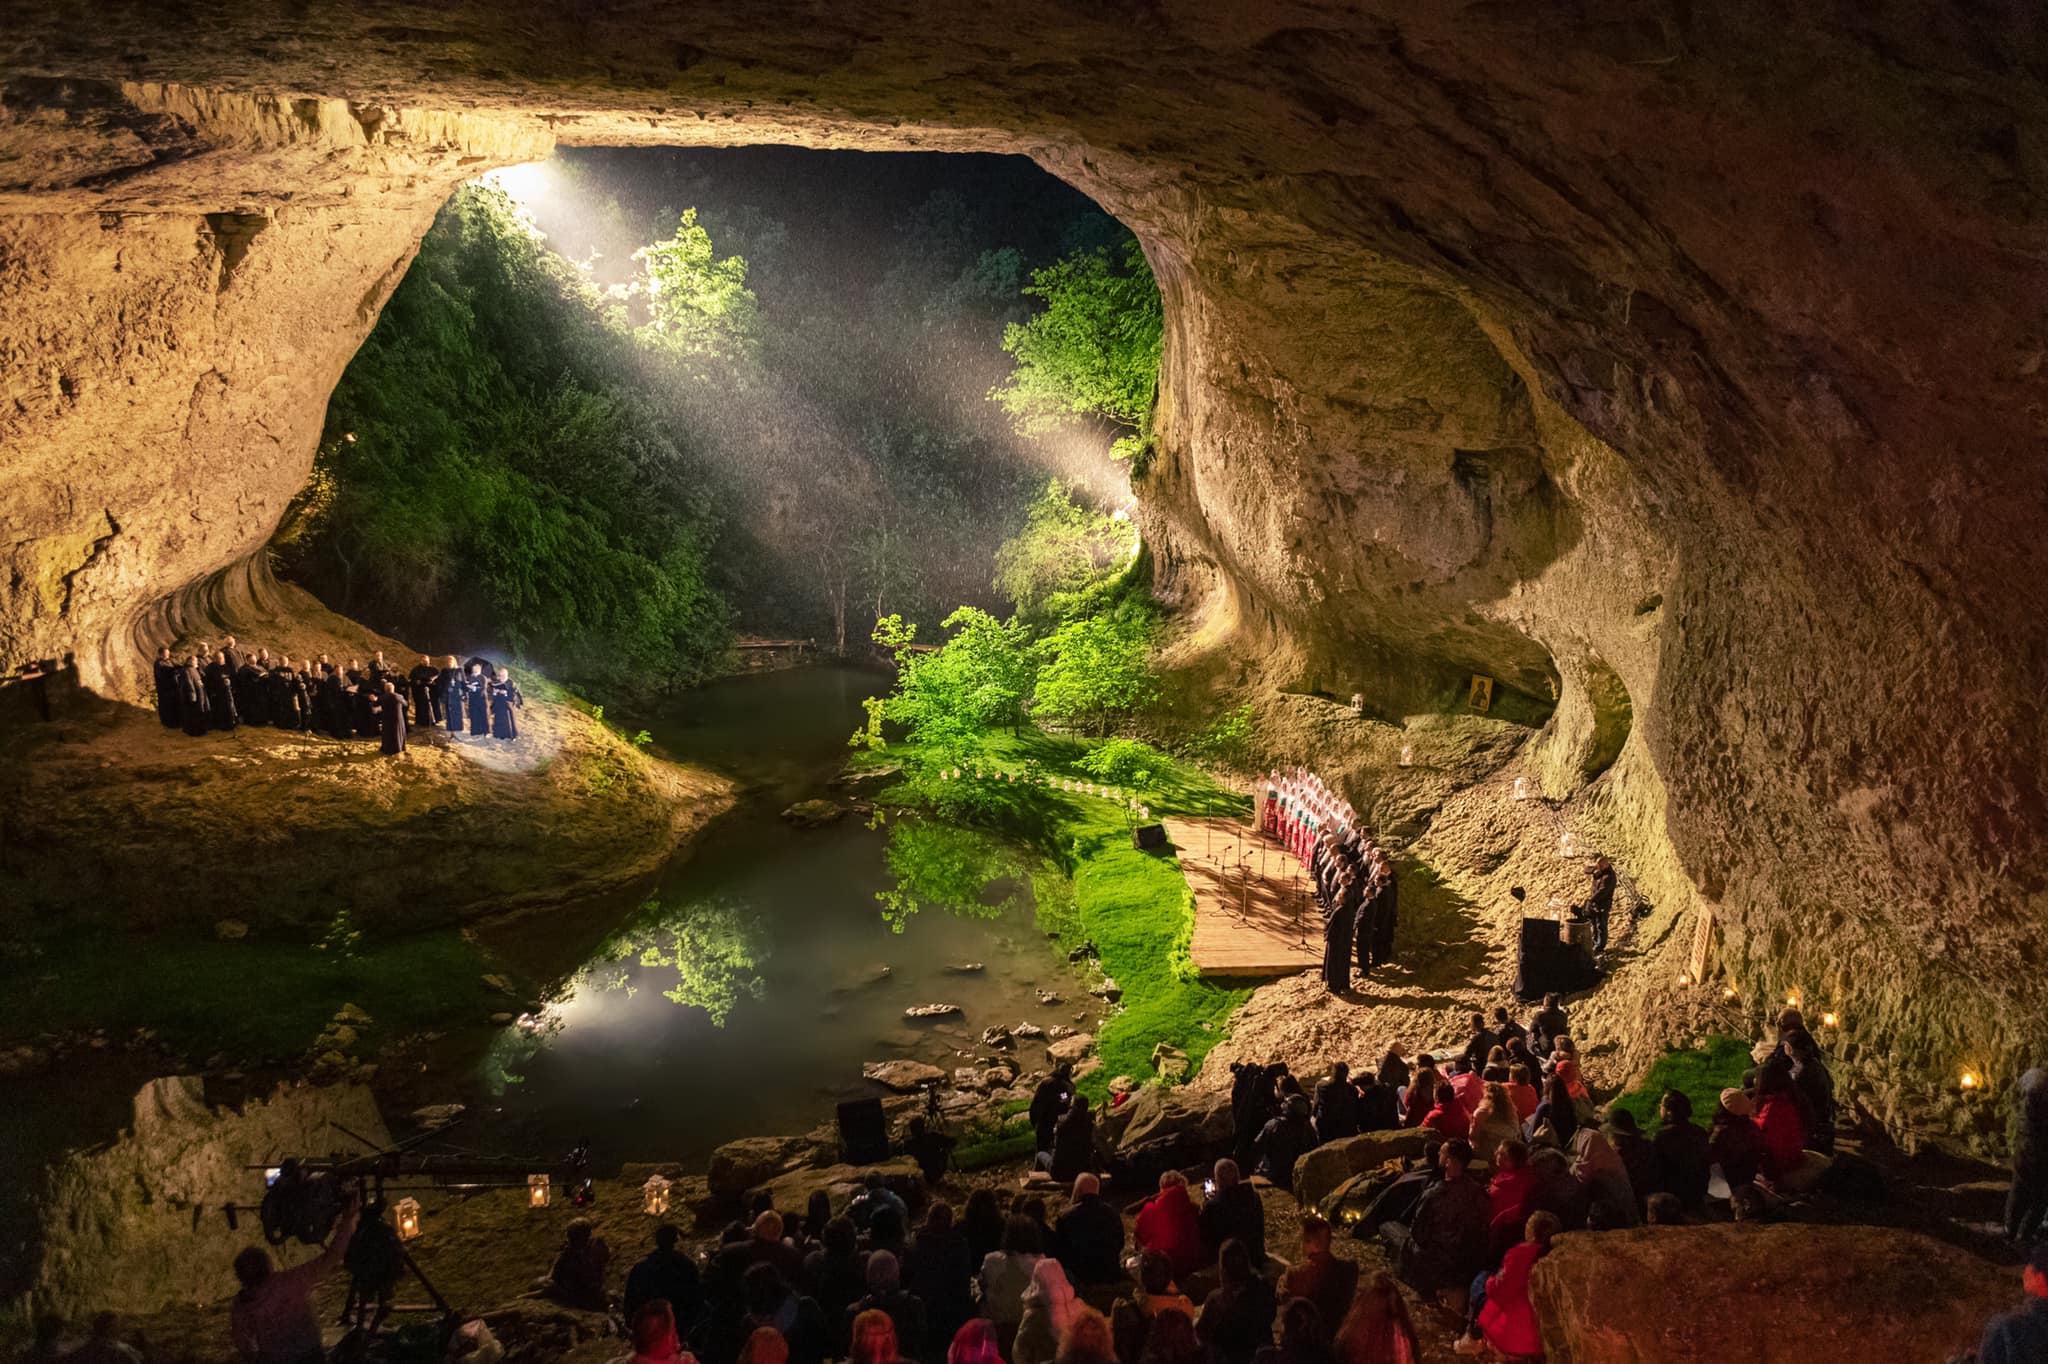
x,y
1090,883
1698,1073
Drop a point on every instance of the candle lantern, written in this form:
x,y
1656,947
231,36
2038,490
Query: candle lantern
x,y
408,1211
1684,979
1970,1080
1827,1020
537,1193
1728,993
1567,843
1407,755
1521,788
1791,999
654,1196
1358,703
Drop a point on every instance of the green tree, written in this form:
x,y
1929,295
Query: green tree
x,y
698,306
1064,549
942,866
946,700
1093,352
1095,669
715,947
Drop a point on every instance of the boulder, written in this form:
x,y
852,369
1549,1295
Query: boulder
x,y
495,981
739,1165
814,814
840,1182
438,1115
1108,989
1122,1084
995,1036
1051,997
964,968
1322,1171
1071,1048
1169,1061
1058,1031
931,1011
1606,1298
230,930
905,1077
1030,1032
967,1077
1158,1111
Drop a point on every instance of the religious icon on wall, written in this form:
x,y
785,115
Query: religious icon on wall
x,y
1480,698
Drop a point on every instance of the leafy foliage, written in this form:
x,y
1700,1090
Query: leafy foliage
x,y
1096,669
1124,762
942,866
715,947
947,698
494,467
1094,350
1064,550
1229,742
698,305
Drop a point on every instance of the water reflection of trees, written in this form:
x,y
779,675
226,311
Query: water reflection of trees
x,y
715,948
944,867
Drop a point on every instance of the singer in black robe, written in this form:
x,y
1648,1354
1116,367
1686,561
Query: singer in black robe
x,y
1336,945
426,706
167,688
391,718
1385,919
452,693
191,687
505,698
287,697
334,695
1360,905
380,671
363,705
252,700
476,700
220,693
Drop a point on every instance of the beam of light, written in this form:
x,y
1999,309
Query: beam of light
x,y
525,185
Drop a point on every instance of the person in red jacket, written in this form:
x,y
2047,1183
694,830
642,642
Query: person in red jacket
x,y
1169,1224
1779,1119
1501,1314
1448,1118
1514,1184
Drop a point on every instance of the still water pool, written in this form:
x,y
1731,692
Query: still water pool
x,y
745,995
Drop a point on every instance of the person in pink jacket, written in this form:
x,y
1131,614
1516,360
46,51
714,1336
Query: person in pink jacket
x,y
1501,1314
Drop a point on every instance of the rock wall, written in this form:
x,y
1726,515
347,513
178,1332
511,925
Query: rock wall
x,y
1680,367
138,1225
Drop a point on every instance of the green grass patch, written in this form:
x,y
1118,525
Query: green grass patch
x,y
1011,1144
1090,884
256,999
1699,1073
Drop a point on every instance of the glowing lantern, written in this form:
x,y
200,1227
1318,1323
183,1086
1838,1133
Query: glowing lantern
x,y
271,1175
537,1194
1684,979
1827,1020
408,1211
654,1196
1145,810
1728,993
1792,999
1521,788
349,436
1567,844
1969,1079
1407,755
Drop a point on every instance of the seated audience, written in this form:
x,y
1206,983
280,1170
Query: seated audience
x,y
765,1346
1073,1142
874,1340
1303,1337
577,1277
1006,1273
1734,1145
1048,1306
1779,1120
1379,1108
1088,1241
983,1224
1681,1154
837,1275
1663,1209
666,1274
2021,1334
1170,1224
1237,1319
655,1337
1284,1140
1446,1242
1638,1157
1233,1213
1494,1120
1556,1120
1610,1198
974,1343
937,1268
1500,1314
1377,1329
1336,1107
886,1294
1549,1024
1087,1339
1319,1275
1131,1318
1172,1340
1522,1089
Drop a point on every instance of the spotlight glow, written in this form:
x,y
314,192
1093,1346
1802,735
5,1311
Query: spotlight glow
x,y
524,185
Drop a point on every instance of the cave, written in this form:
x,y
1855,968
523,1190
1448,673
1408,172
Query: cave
x,y
1680,371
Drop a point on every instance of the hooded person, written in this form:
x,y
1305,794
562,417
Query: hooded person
x,y
1285,1140
165,671
1610,1197
1169,1225
1049,1308
1336,1105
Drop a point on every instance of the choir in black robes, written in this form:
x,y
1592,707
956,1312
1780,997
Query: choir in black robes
x,y
1385,914
391,717
476,701
167,690
220,695
1336,947
426,708
504,698
288,709
452,694
191,687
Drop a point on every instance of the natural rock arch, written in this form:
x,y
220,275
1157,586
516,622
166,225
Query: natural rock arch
x,y
1746,309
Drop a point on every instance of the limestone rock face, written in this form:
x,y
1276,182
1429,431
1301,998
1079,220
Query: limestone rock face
x,y
1678,368
145,1212
1796,1294
739,1165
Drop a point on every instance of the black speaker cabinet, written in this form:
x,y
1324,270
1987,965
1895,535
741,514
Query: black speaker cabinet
x,y
1148,836
863,1132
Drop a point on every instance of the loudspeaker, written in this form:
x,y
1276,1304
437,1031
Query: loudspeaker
x,y
863,1132
1148,836
1541,961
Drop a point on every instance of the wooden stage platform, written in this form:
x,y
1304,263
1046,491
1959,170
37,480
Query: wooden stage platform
x,y
1254,902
